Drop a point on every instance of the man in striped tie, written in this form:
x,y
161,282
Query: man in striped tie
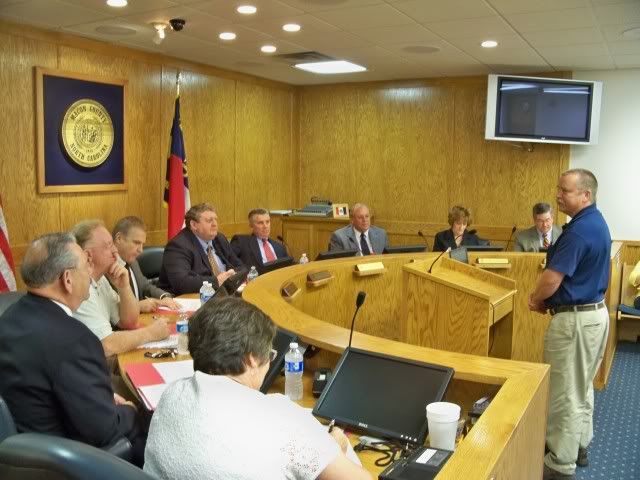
x,y
542,234
257,249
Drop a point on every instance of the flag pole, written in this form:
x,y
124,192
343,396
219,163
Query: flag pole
x,y
178,80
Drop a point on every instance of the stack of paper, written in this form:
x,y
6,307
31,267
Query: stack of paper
x,y
186,305
151,379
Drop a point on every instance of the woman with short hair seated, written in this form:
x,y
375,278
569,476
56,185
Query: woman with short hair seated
x,y
457,236
218,425
634,279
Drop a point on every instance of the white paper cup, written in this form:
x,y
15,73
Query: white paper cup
x,y
442,418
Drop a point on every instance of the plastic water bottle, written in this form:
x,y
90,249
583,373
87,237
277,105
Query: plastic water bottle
x,y
304,259
206,292
182,327
253,274
293,368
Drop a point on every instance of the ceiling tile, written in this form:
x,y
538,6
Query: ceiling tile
x,y
584,63
338,39
244,35
586,50
572,36
396,34
618,14
227,9
283,48
505,41
627,61
624,48
50,13
322,5
509,56
613,33
365,17
555,20
133,7
428,11
527,6
488,26
308,23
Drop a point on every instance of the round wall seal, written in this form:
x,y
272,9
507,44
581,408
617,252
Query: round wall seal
x,y
87,133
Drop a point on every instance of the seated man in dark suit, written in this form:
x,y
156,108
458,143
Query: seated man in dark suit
x,y
542,234
360,235
459,219
198,253
257,249
129,236
54,372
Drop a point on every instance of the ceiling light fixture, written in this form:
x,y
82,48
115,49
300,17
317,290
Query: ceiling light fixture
x,y
246,9
117,3
489,44
268,49
227,36
331,67
291,27
160,30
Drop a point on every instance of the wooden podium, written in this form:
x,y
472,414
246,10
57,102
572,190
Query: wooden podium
x,y
458,308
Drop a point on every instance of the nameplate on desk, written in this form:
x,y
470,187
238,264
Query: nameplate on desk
x,y
371,268
290,291
492,260
493,263
322,277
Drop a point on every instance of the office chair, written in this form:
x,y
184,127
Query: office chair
x,y
9,298
150,261
35,456
7,425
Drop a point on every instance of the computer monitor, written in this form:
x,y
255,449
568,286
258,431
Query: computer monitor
x,y
484,248
406,249
336,254
383,395
280,343
459,254
274,265
232,283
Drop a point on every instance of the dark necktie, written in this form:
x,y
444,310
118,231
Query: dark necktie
x,y
268,252
133,289
364,247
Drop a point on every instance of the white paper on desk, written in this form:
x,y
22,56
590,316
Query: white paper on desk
x,y
171,342
186,305
151,394
172,371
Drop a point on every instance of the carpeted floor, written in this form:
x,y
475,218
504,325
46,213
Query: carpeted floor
x,y
614,453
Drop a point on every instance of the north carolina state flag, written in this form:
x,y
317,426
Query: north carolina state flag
x,y
7,268
176,189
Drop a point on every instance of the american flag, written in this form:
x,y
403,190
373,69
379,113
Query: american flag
x,y
7,269
176,190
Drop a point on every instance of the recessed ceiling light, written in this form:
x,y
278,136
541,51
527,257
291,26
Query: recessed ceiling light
x,y
334,66
489,44
268,49
117,3
291,27
246,9
227,36
632,33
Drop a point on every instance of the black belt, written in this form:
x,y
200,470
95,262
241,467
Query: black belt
x,y
588,307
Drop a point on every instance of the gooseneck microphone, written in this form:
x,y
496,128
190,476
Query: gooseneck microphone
x,y
359,302
470,232
279,237
424,239
513,230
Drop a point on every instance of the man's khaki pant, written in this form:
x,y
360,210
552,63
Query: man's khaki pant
x,y
573,345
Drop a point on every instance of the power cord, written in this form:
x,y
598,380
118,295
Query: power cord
x,y
390,451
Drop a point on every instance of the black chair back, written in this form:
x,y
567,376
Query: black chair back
x,y
7,425
35,456
150,261
9,298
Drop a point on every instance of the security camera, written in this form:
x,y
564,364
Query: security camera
x,y
177,24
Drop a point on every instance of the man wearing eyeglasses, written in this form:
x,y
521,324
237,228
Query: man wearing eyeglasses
x,y
542,234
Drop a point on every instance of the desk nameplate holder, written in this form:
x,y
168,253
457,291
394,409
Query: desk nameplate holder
x,y
290,291
493,263
317,279
366,269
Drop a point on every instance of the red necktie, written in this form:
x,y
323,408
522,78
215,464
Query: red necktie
x,y
268,252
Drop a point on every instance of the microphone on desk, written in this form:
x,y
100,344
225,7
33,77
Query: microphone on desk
x,y
279,237
513,230
424,239
359,302
470,232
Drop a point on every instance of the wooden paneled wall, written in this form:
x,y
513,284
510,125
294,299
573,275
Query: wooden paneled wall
x,y
412,149
238,130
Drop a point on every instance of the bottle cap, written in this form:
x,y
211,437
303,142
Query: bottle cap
x,y
293,345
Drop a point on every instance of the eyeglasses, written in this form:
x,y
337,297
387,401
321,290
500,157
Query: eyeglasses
x,y
273,354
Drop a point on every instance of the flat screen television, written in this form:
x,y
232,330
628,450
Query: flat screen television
x,y
383,395
406,249
336,254
544,110
280,343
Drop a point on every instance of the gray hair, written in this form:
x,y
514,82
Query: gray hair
x,y
255,212
586,182
540,208
124,225
358,206
83,231
47,258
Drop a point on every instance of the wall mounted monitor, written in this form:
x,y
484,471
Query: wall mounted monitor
x,y
383,395
544,110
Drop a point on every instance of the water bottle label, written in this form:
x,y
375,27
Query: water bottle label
x,y
293,367
204,298
182,327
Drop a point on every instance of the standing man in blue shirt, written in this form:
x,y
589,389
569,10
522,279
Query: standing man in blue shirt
x,y
572,288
